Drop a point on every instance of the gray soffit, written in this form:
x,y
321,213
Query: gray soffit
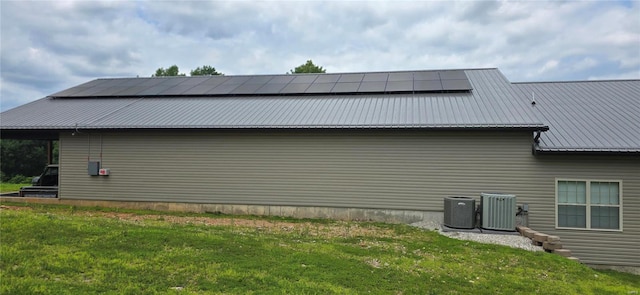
x,y
398,82
489,105
586,116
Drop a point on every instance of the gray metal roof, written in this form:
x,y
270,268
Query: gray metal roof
x,y
586,116
489,105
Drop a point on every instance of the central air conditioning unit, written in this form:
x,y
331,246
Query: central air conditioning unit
x,y
460,212
498,211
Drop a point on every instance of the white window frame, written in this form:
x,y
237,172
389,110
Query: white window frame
x,y
589,205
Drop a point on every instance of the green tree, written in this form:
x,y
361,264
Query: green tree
x,y
170,71
23,158
307,67
205,71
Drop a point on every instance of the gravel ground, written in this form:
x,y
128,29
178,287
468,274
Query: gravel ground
x,y
515,241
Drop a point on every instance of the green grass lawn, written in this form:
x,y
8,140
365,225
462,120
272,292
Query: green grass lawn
x,y
48,249
11,187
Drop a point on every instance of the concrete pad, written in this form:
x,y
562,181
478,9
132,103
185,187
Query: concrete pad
x,y
338,213
259,210
376,215
460,230
226,208
210,208
499,232
240,209
356,214
287,211
413,216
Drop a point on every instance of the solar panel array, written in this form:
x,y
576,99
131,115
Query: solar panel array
x,y
379,82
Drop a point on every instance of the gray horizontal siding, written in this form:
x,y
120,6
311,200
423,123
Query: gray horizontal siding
x,y
401,169
595,247
406,170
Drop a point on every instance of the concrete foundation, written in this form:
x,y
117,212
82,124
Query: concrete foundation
x,y
380,215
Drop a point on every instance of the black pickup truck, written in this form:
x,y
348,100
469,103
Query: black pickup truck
x,y
43,186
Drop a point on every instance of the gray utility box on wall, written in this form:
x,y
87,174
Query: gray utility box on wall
x,y
460,212
498,211
93,168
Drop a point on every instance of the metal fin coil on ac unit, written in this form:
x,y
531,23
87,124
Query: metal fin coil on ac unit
x,y
498,211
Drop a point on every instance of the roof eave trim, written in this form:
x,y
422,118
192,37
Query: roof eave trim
x,y
584,151
527,127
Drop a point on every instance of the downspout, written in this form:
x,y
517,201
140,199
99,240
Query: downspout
x,y
536,141
537,138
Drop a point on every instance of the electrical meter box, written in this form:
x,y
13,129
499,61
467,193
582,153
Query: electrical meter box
x,y
93,168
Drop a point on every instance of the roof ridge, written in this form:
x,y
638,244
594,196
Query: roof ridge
x,y
576,81
302,74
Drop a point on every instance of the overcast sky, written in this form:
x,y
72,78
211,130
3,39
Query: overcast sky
x,y
48,46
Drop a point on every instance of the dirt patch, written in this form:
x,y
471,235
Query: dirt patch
x,y
332,230
17,208
337,229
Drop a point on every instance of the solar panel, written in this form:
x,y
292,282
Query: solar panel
x,y
426,76
110,82
196,80
91,83
223,89
133,90
175,90
295,88
305,78
259,80
375,77
151,82
453,75
89,91
344,78
379,82
215,80
320,88
110,91
346,87
459,84
172,81
432,85
281,79
327,78
270,88
393,86
154,90
372,86
400,77
70,92
236,80
246,88
130,82
204,87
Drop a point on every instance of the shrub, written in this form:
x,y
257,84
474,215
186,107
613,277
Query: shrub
x,y
20,179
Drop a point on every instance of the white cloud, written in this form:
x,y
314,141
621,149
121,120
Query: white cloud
x,y
48,46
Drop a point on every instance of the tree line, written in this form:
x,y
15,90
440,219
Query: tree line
x,y
206,70
20,160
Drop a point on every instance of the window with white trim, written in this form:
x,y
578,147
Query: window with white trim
x,y
587,204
